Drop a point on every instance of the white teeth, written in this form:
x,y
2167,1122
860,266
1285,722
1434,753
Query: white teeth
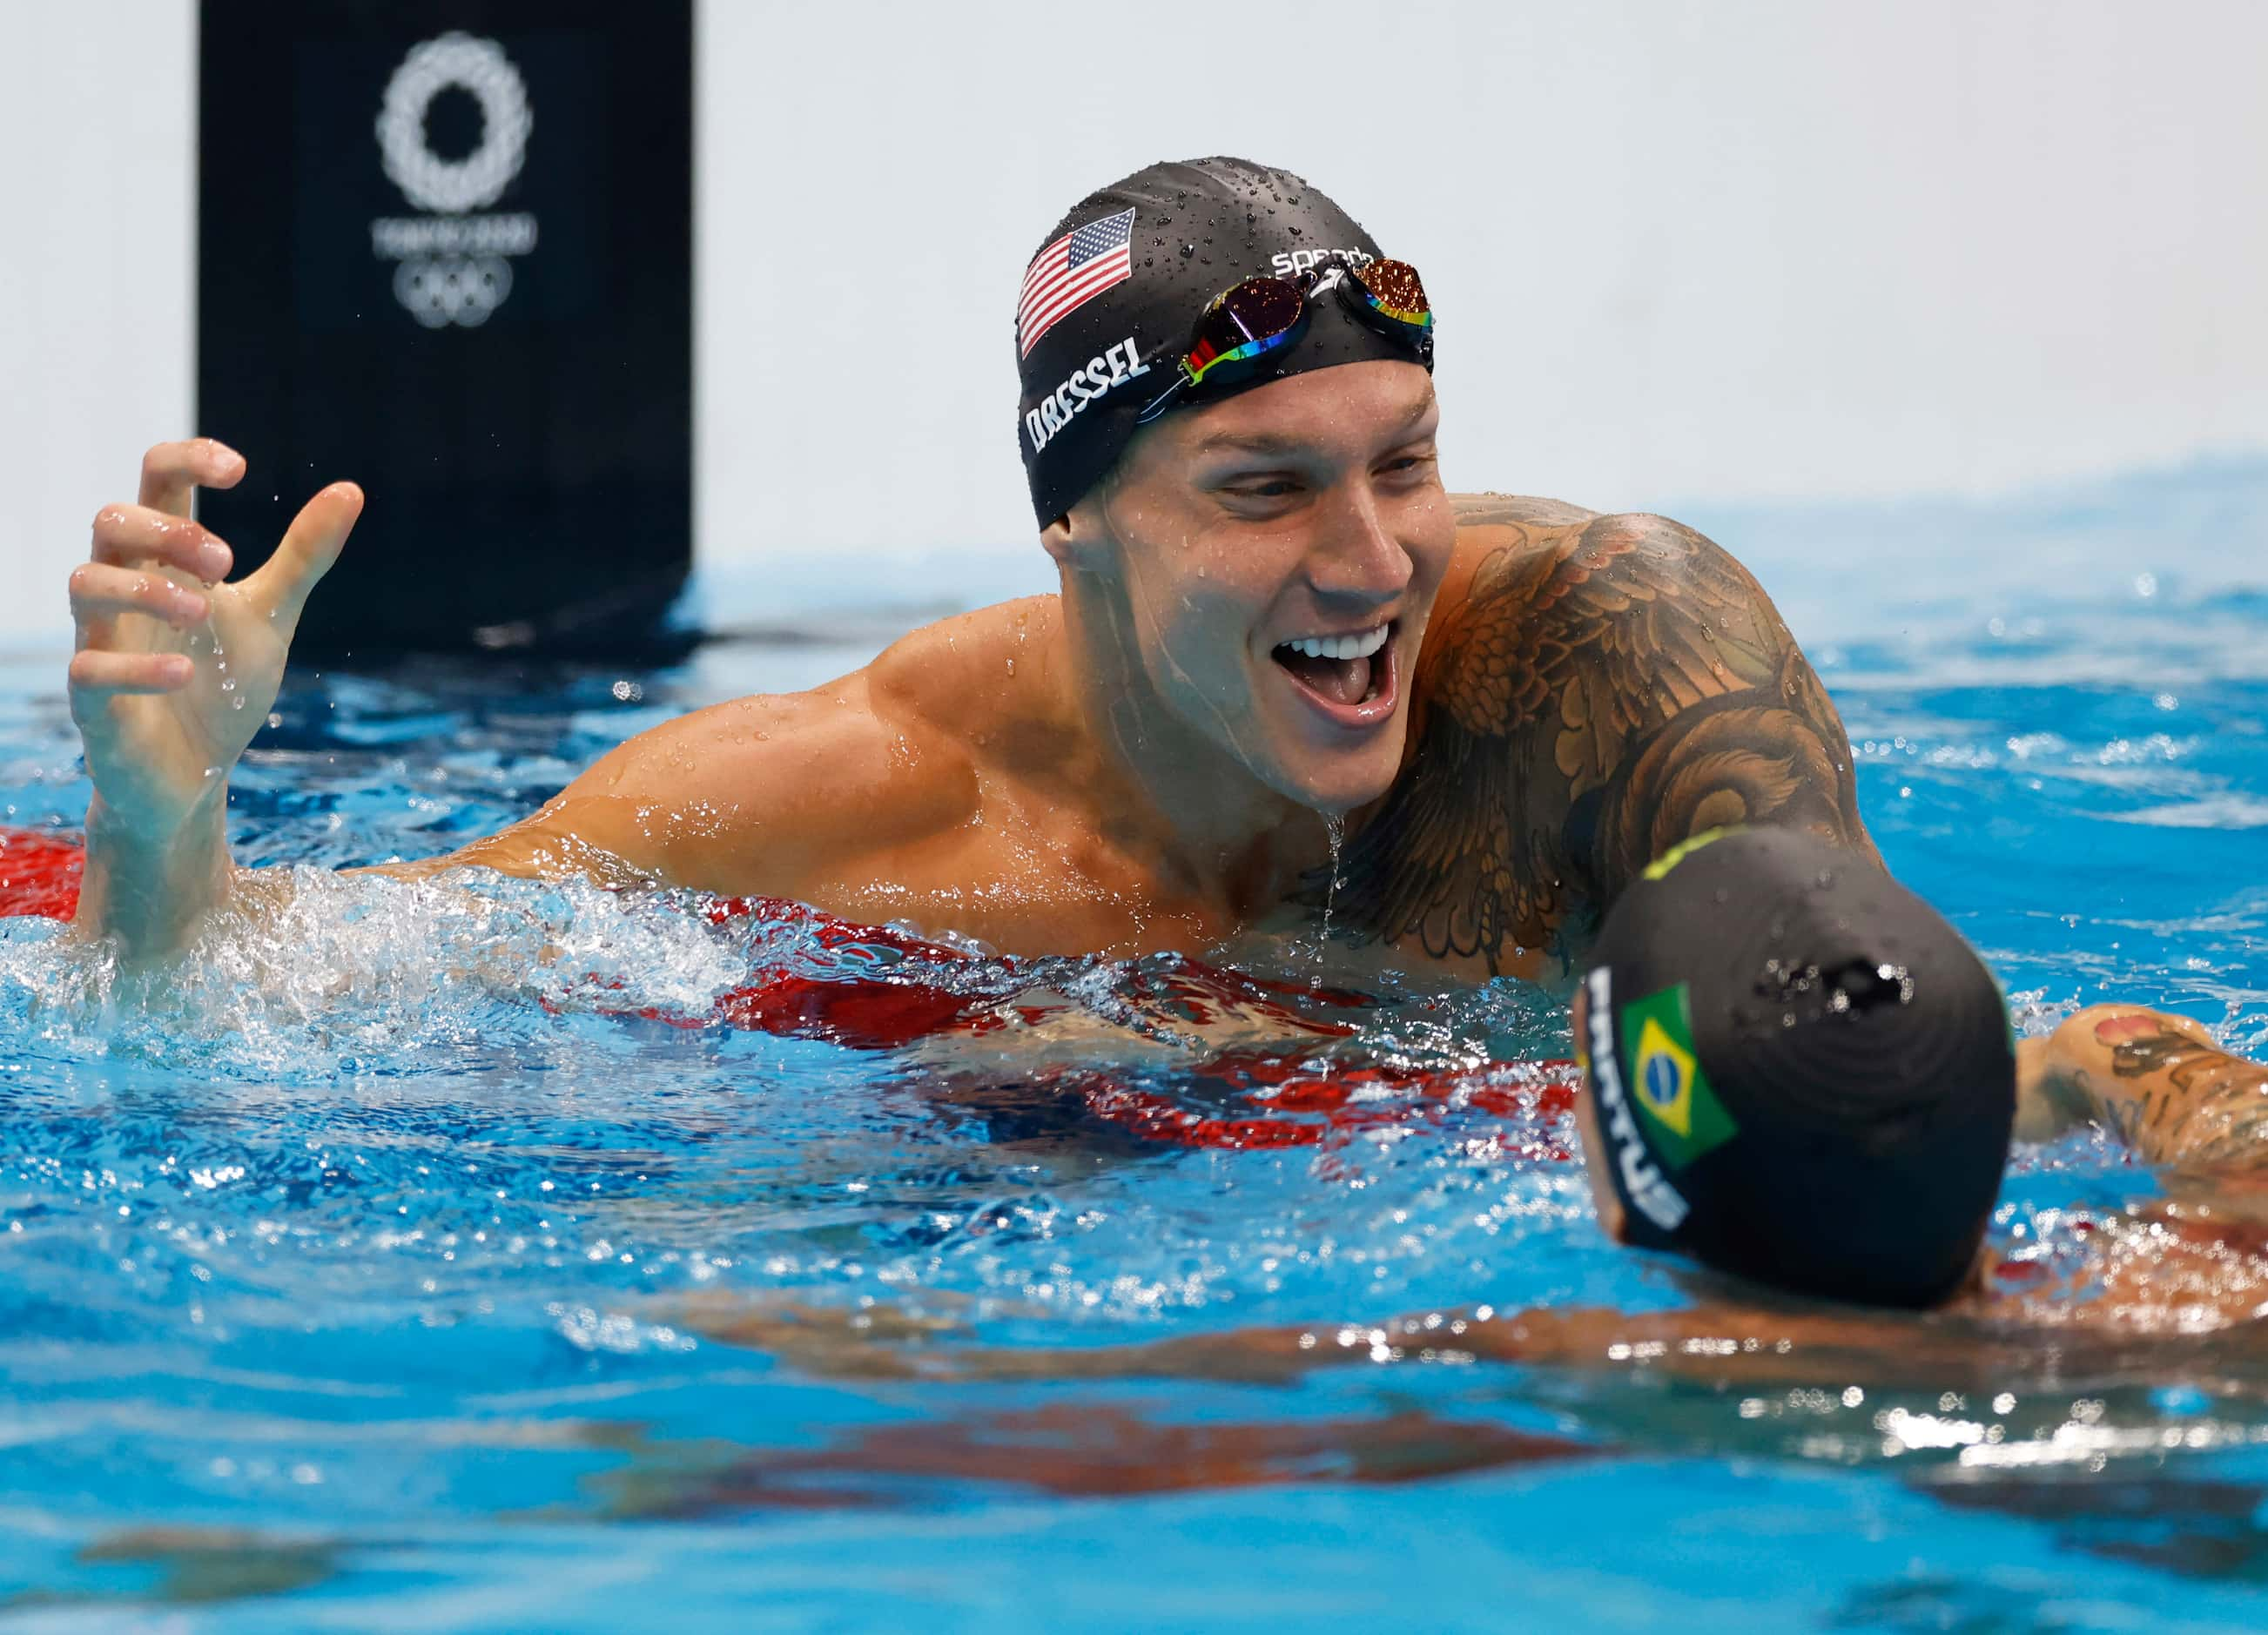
x,y
1360,646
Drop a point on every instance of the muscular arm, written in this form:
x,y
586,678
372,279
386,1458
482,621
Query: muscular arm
x,y
1606,687
2159,1081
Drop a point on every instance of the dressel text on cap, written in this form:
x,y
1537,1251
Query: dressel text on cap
x,y
1093,380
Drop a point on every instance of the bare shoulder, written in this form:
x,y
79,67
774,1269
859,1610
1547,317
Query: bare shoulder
x,y
1515,510
769,793
775,793
1594,689
961,678
1535,554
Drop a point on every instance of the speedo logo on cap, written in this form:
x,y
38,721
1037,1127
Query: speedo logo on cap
x,y
1287,262
1097,378
1642,1181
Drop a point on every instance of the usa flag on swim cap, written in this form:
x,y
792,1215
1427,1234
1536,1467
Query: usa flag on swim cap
x,y
1075,268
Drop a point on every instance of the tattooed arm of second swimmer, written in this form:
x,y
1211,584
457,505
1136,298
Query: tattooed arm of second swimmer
x,y
2159,1082
1607,687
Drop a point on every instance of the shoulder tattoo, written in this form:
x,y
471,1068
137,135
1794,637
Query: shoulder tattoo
x,y
1604,691
1516,511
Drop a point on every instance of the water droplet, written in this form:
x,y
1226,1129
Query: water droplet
x,y
1335,827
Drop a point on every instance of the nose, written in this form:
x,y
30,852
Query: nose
x,y
1357,557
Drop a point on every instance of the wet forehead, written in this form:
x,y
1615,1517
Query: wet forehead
x,y
1353,408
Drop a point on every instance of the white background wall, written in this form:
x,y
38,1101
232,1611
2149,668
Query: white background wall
x,y
1704,251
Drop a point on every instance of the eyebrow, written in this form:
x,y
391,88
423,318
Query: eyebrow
x,y
1250,443
1269,443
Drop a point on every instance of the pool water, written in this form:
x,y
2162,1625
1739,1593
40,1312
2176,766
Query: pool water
x,y
445,1262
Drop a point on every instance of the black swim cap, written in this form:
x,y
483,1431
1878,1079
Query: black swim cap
x,y
1109,299
1802,1074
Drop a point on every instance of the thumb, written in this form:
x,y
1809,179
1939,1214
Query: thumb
x,y
310,546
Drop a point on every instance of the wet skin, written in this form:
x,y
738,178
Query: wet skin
x,y
1516,704
1123,767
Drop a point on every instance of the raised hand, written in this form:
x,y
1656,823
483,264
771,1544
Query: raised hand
x,y
175,671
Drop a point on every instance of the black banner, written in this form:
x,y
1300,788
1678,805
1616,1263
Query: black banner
x,y
445,248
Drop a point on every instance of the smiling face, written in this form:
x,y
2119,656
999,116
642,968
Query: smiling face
x,y
1273,558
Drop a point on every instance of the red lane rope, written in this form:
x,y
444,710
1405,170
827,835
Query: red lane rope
x,y
40,874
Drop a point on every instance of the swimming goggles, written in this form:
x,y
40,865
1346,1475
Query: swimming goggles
x,y
1246,322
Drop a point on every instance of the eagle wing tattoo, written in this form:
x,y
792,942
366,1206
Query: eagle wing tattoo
x,y
1599,696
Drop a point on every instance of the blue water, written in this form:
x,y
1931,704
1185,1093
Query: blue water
x,y
390,1273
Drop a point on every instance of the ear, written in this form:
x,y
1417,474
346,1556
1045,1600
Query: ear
x,y
1056,540
1080,540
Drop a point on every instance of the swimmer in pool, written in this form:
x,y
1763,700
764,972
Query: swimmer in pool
x,y
1272,614
1795,1071
1272,617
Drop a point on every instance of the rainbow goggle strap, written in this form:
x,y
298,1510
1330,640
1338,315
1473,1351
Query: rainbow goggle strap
x,y
1246,322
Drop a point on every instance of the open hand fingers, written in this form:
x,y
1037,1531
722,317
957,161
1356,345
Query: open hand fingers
x,y
100,671
97,676
173,472
140,536
101,592
309,548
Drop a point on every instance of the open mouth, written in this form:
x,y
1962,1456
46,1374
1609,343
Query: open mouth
x,y
1349,674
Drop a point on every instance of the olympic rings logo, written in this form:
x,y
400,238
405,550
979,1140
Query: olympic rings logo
x,y
443,290
451,187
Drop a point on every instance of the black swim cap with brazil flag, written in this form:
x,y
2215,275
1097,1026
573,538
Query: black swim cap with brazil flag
x,y
1800,1072
1109,299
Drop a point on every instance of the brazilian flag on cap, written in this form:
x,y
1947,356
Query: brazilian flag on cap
x,y
1684,1119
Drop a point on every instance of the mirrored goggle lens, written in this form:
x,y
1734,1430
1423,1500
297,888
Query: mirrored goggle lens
x,y
1243,322
1392,290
